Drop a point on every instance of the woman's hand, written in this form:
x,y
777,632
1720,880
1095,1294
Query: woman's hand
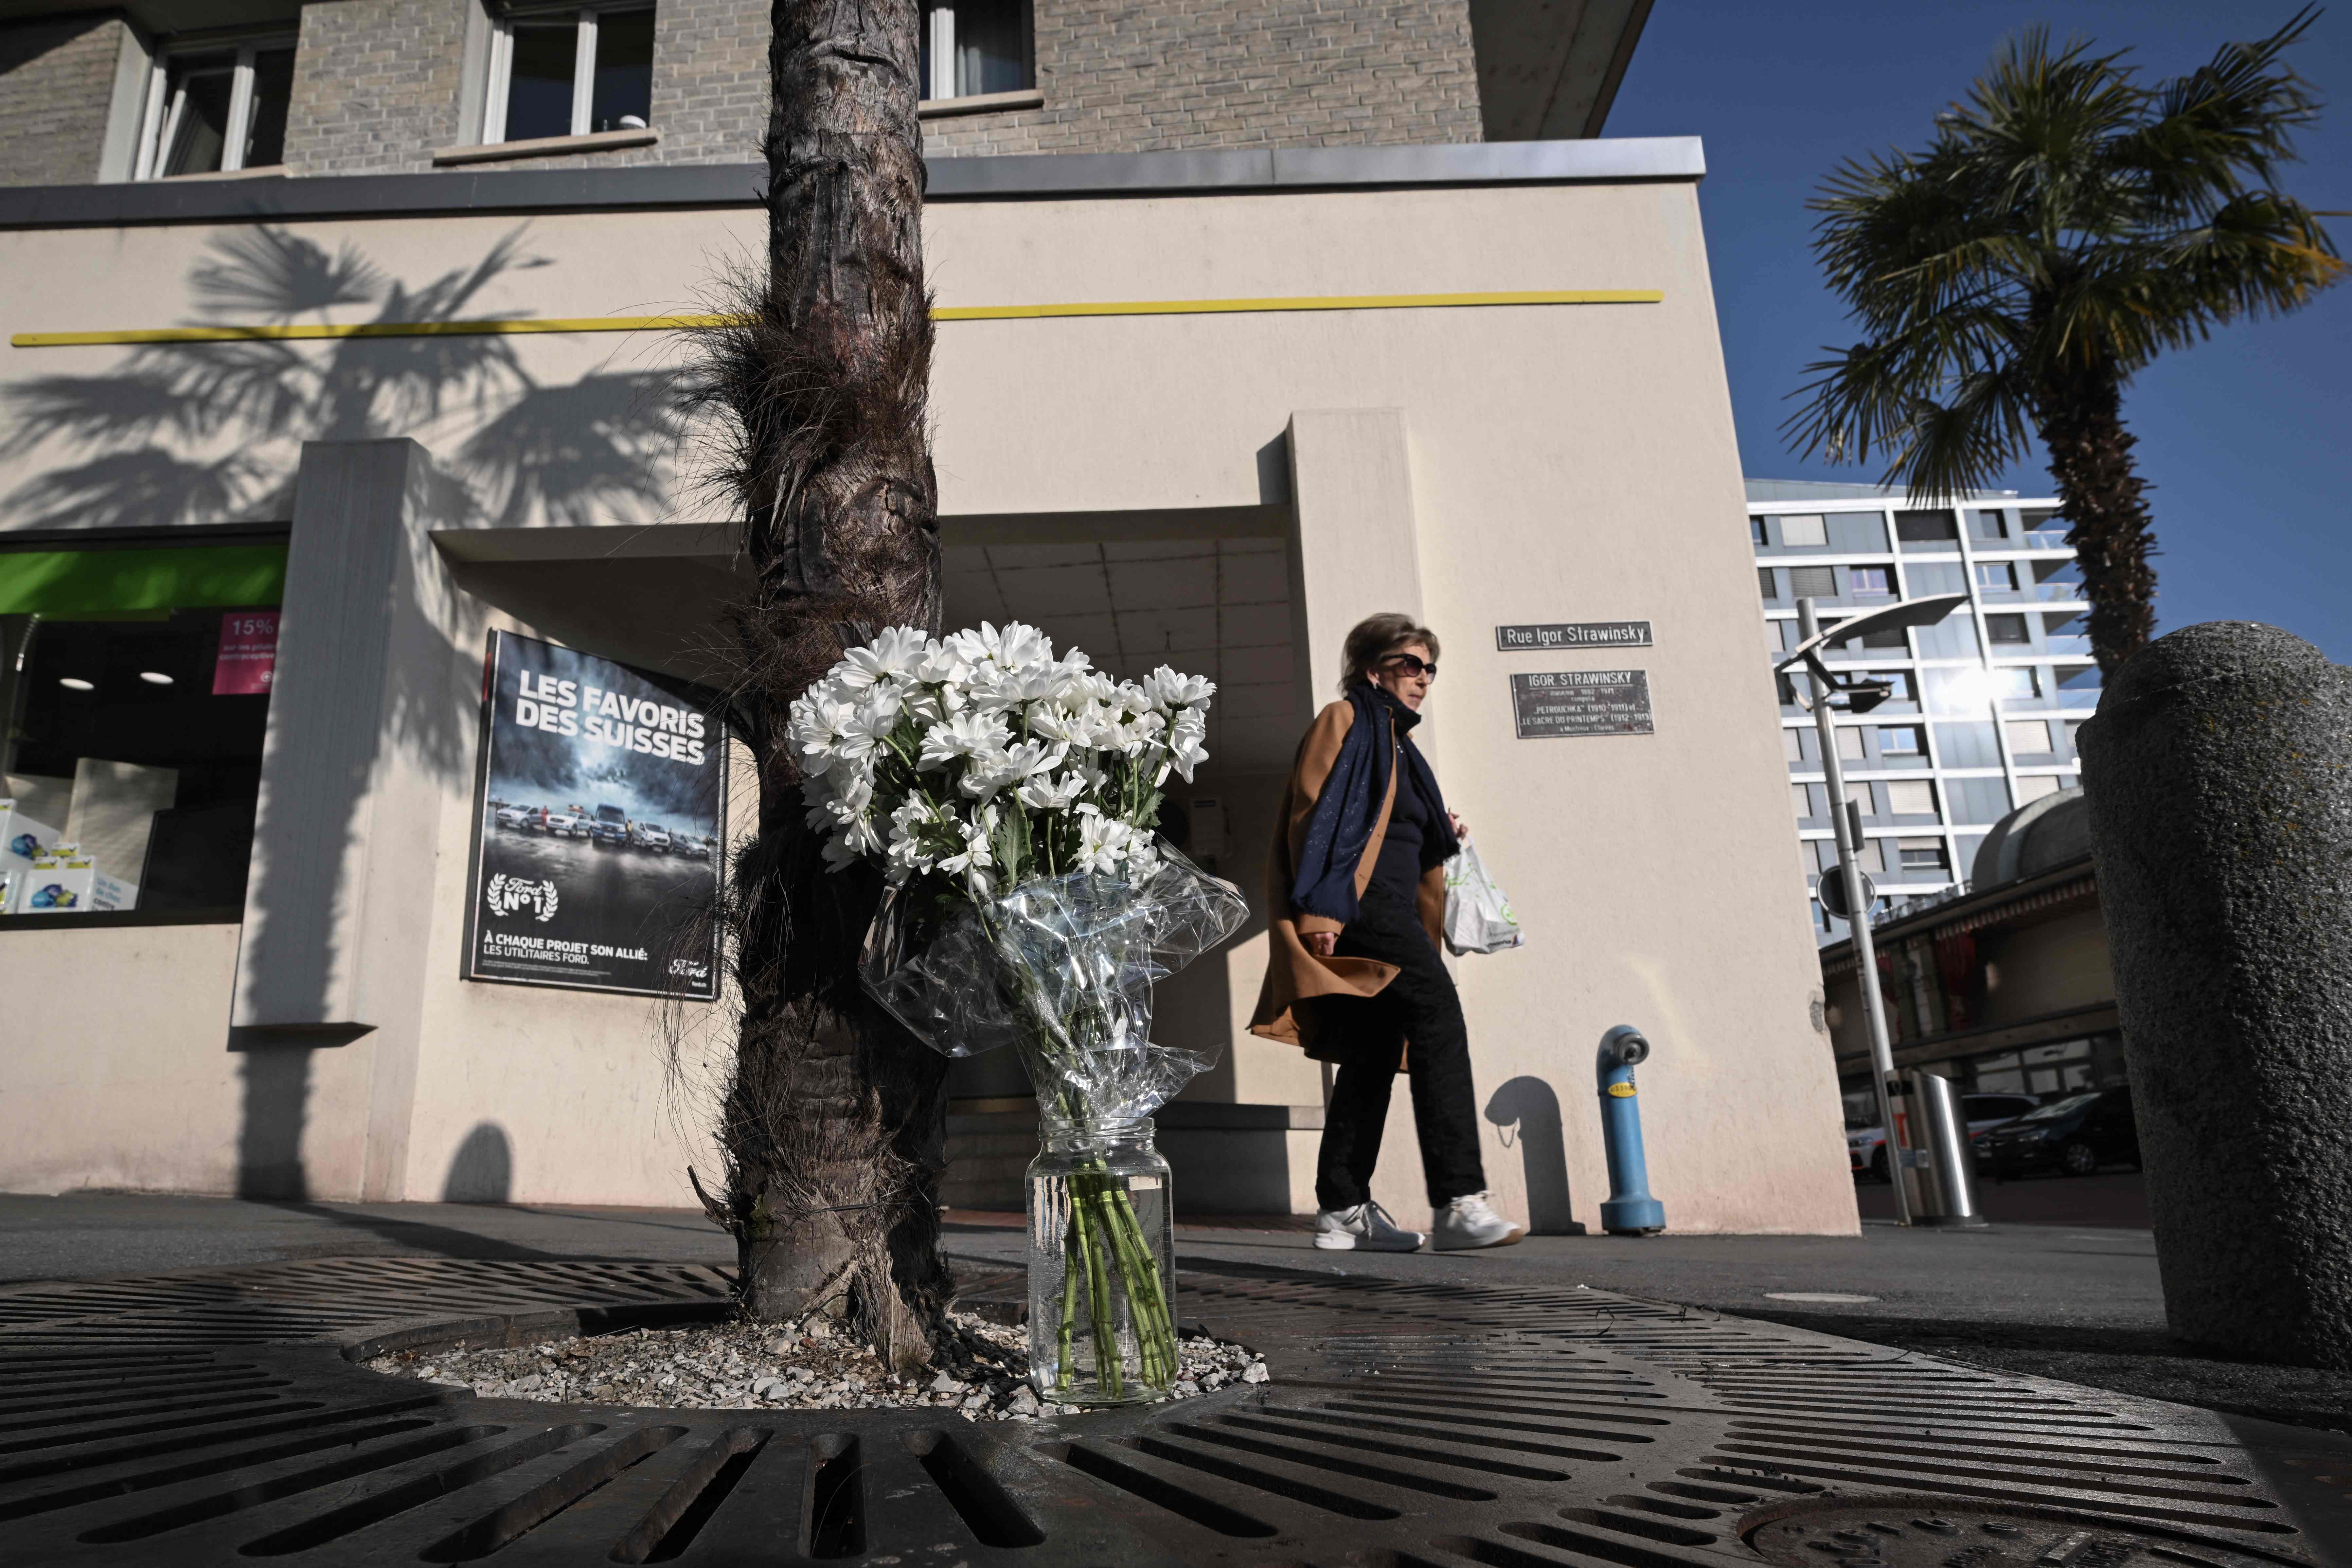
x,y
1322,943
1461,828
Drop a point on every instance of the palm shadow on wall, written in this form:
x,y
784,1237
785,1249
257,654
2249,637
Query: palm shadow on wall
x,y
211,431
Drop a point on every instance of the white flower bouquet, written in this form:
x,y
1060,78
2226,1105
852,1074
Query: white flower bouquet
x,y
1011,799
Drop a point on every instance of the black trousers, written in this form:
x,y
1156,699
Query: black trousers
x,y
1419,1004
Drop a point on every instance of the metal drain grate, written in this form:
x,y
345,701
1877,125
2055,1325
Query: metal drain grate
x,y
1407,1426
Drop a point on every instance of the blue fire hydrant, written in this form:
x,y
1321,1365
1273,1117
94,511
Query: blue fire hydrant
x,y
1630,1209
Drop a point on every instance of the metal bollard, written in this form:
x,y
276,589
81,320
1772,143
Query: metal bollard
x,y
1630,1209
1945,1164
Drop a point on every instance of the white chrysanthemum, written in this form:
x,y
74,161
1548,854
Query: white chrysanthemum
x,y
816,728
1185,733
964,735
1015,646
894,655
1166,688
1011,767
1057,794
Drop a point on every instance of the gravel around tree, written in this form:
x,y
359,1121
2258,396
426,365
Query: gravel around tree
x,y
751,1366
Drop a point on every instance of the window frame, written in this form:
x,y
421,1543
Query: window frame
x,y
938,42
157,123
499,77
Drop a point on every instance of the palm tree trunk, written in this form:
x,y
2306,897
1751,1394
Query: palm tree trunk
x,y
833,1118
2100,495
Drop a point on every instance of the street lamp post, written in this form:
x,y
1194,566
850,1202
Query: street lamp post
x,y
1860,696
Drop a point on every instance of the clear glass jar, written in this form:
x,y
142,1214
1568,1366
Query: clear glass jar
x,y
1102,1282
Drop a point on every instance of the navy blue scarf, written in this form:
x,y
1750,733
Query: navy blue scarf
x,y
1324,882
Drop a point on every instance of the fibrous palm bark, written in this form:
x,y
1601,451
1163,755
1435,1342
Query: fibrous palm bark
x,y
832,1116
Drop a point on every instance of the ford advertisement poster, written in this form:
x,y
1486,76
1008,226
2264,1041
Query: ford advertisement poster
x,y
602,792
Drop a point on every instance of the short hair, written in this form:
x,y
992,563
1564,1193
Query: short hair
x,y
1377,636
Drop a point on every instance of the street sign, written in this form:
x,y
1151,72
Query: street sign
x,y
1552,635
1832,892
1567,702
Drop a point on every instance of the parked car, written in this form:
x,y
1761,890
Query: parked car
x,y
1866,1147
611,825
517,817
650,836
2076,1135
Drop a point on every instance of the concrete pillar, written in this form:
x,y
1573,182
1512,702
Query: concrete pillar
x,y
2219,774
372,719
1353,547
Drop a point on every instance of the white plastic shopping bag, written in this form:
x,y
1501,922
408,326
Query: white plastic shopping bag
x,y
1478,918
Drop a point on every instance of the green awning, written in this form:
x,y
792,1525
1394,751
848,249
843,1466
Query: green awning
x,y
94,581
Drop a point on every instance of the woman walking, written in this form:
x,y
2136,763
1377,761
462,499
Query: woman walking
x,y
1356,894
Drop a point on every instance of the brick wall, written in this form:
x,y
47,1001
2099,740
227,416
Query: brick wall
x,y
376,86
1119,76
57,79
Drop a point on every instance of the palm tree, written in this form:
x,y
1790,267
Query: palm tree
x,y
2066,226
830,1115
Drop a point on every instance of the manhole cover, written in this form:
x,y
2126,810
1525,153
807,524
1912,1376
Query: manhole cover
x,y
1923,1532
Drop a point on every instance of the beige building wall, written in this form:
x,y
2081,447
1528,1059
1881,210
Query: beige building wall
x,y
1565,462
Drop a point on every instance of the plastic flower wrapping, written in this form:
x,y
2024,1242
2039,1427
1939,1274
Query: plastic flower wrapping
x,y
1011,798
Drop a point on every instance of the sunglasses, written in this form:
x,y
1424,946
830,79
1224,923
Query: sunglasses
x,y
1410,664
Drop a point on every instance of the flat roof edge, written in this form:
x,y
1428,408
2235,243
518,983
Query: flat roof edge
x,y
691,186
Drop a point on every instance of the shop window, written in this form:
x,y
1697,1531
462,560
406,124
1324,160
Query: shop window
x,y
215,108
570,73
976,46
136,685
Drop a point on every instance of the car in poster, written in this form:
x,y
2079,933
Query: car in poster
x,y
650,836
567,824
609,826
517,818
690,846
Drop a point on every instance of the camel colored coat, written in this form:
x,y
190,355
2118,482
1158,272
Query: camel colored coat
x,y
1294,974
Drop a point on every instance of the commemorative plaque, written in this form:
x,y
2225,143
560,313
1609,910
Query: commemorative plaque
x,y
1552,635
1581,703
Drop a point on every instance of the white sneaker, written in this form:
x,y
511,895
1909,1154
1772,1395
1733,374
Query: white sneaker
x,y
1367,1227
1469,1222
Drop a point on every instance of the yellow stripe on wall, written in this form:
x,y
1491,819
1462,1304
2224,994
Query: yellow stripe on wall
x,y
315,330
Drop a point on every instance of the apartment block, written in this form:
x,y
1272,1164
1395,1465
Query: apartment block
x,y
1985,703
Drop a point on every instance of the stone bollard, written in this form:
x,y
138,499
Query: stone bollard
x,y
2218,773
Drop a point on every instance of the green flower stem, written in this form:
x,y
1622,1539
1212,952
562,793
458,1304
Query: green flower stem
x,y
1065,1351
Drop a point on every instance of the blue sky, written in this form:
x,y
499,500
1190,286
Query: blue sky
x,y
2244,439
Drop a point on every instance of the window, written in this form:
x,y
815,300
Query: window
x,y
2029,737
1902,742
1813,581
1988,525
570,73
1764,584
1849,742
2033,786
2006,629
1887,637
1858,795
140,679
975,47
1801,797
216,110
1756,532
1917,528
1870,582
1793,744
1922,854
2078,677
2045,530
1804,531
2012,682
1996,577
1910,797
